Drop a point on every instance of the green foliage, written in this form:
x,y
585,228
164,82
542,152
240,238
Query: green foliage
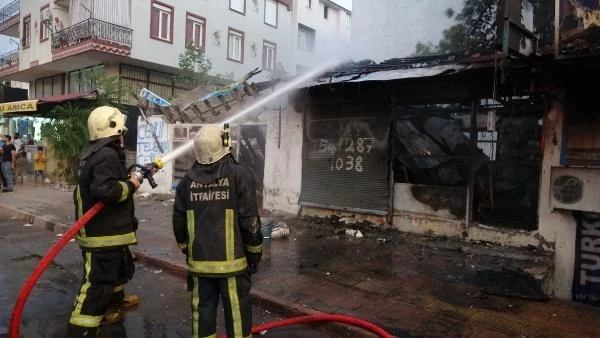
x,y
424,49
67,133
476,27
194,66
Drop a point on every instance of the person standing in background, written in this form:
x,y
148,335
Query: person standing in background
x,y
39,166
9,159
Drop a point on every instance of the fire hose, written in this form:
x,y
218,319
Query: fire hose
x,y
146,171
323,318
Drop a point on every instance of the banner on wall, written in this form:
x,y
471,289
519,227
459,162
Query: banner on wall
x,y
586,279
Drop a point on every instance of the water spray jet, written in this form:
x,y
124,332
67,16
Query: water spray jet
x,y
279,91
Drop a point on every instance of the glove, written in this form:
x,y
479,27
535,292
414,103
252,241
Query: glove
x,y
252,267
253,260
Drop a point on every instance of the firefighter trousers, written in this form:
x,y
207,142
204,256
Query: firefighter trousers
x,y
105,273
234,292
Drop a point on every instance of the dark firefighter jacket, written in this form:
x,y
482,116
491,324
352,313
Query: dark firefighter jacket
x,y
103,177
215,217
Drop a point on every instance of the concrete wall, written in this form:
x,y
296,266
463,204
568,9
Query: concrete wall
x,y
283,160
556,227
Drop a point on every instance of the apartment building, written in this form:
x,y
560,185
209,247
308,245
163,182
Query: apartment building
x,y
323,30
140,41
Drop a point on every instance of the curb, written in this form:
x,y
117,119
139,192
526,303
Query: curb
x,y
37,220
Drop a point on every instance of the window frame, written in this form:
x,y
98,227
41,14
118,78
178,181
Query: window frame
x,y
348,20
310,38
195,20
235,32
274,2
272,45
26,33
44,28
166,9
243,12
325,12
43,82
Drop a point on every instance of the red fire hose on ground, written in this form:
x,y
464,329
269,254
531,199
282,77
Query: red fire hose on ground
x,y
323,318
15,320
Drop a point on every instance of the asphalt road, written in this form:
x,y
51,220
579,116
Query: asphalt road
x,y
164,310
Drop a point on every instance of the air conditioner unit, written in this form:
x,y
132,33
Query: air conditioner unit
x,y
575,188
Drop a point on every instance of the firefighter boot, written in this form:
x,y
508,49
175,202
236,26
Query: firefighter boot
x,y
111,316
130,301
124,302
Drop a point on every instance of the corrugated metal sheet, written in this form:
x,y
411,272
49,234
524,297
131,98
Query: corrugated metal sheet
x,y
345,158
390,74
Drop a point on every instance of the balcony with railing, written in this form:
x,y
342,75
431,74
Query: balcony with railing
x,y
9,19
91,35
9,62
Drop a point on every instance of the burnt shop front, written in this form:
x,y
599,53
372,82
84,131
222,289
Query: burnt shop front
x,y
345,157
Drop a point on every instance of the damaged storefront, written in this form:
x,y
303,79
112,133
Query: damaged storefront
x,y
449,151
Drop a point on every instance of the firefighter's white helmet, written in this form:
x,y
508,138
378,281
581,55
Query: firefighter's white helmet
x,y
211,143
106,121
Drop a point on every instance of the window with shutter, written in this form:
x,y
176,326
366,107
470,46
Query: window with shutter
x,y
235,45
161,21
271,13
238,6
269,55
195,31
45,24
26,39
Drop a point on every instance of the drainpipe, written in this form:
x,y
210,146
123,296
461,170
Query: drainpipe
x,y
471,178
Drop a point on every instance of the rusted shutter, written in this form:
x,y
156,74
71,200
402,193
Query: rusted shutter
x,y
154,22
345,158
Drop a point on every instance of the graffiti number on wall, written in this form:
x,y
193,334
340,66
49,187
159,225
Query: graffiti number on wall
x,y
347,153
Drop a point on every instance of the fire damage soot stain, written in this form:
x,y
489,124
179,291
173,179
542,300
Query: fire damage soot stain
x,y
438,197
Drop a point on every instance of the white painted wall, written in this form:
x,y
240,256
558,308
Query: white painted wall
x,y
283,160
37,51
332,37
218,19
557,228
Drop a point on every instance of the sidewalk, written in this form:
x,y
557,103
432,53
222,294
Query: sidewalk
x,y
409,285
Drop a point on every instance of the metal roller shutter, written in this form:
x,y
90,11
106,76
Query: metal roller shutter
x,y
345,158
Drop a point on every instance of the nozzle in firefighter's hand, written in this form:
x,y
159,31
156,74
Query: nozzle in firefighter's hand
x,y
136,178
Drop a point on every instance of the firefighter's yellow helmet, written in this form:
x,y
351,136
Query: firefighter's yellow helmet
x,y
105,122
211,143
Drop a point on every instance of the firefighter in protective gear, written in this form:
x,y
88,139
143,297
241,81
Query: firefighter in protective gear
x,y
104,240
217,226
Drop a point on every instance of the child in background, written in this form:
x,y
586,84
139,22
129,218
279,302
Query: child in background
x,y
39,166
21,165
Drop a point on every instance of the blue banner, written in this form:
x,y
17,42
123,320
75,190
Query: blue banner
x,y
586,279
150,96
